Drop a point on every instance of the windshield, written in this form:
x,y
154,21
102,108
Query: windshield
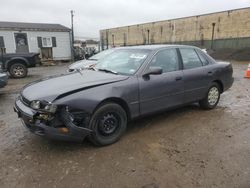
x,y
101,55
125,62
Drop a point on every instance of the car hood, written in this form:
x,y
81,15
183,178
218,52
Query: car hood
x,y
52,88
81,64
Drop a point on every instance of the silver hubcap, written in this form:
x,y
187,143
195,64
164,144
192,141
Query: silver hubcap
x,y
213,96
18,71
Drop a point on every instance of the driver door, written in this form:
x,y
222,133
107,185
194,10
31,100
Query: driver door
x,y
159,92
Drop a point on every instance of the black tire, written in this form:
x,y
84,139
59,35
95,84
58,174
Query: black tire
x,y
18,70
108,123
210,102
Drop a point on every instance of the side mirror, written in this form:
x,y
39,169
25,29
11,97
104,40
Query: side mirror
x,y
153,71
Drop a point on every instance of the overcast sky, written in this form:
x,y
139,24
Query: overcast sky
x,y
93,15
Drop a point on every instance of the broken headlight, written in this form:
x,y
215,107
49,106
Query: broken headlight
x,y
35,105
43,106
50,108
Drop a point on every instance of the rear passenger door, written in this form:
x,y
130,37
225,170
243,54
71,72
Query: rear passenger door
x,y
195,75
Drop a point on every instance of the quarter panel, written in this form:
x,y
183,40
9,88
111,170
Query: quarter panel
x,y
224,73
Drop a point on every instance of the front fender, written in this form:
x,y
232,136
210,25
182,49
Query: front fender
x,y
88,100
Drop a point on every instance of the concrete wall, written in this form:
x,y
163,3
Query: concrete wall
x,y
62,51
231,30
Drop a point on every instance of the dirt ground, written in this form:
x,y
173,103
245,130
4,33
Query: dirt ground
x,y
187,147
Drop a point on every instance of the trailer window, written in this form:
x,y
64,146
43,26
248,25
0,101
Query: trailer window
x,y
46,42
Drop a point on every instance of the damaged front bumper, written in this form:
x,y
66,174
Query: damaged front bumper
x,y
67,131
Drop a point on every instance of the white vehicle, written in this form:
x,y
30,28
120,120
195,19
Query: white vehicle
x,y
93,60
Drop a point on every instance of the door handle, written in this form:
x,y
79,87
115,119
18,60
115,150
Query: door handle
x,y
178,78
210,73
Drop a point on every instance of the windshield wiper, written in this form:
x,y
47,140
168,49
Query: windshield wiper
x,y
108,71
79,71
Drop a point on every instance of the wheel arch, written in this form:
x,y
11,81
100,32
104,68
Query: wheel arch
x,y
219,82
118,101
16,60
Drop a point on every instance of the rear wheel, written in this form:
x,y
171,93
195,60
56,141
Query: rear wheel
x,y
212,98
18,70
108,123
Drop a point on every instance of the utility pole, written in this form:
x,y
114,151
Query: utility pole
x,y
212,42
148,36
72,25
72,35
113,40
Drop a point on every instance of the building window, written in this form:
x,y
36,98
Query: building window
x,y
2,46
1,42
46,42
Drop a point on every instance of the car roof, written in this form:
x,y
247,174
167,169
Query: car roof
x,y
155,46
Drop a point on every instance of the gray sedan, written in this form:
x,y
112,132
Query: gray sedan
x,y
132,82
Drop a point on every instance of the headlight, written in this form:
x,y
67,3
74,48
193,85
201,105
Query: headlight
x,y
50,108
43,106
35,105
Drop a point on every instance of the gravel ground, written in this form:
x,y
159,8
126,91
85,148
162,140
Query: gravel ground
x,y
187,147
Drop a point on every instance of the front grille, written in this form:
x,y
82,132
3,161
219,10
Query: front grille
x,y
25,101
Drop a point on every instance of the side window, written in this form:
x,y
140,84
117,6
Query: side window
x,y
167,60
202,58
190,58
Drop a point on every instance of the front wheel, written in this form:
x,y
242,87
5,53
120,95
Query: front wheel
x,y
18,70
212,98
108,123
